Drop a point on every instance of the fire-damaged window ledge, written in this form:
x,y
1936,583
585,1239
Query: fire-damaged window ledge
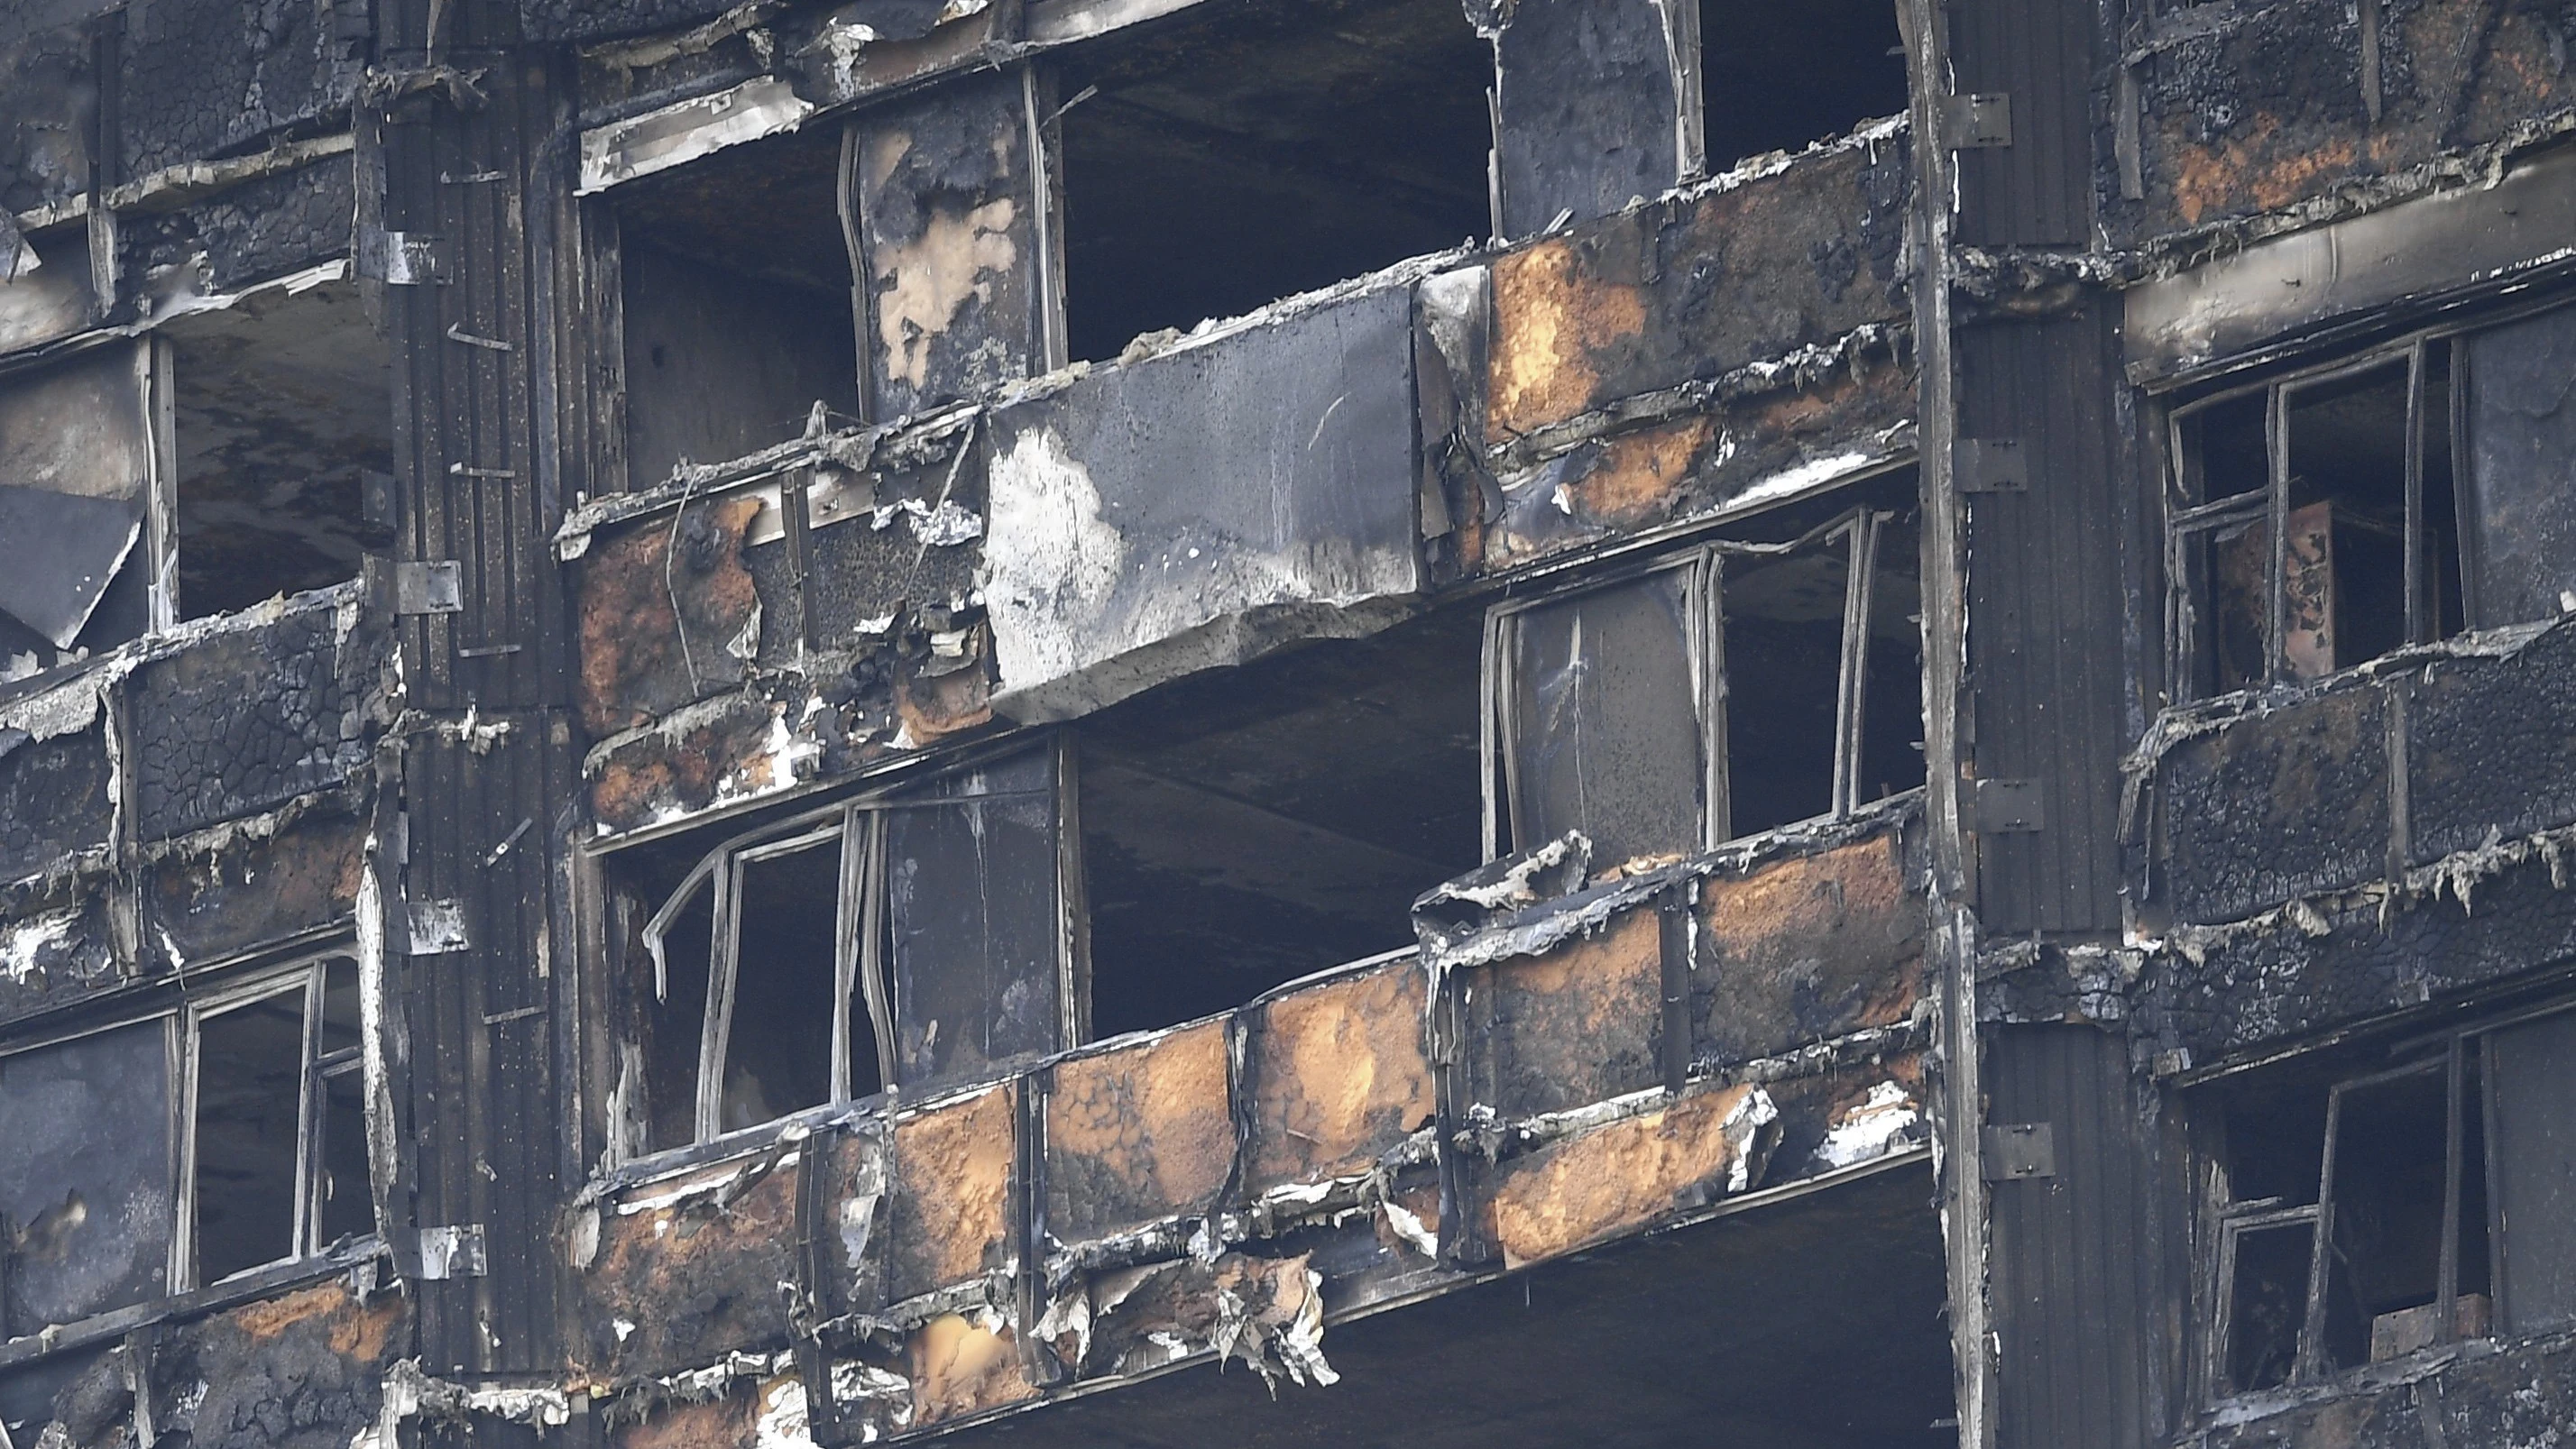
x,y
2415,1371
363,1260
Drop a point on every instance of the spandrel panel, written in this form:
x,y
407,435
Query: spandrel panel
x,y
2522,469
1606,731
85,1174
975,955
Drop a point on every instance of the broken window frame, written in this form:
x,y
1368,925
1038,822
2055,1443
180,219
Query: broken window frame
x,y
1858,530
2448,1054
182,1023
861,932
2189,520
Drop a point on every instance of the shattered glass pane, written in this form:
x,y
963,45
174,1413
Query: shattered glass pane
x,y
975,956
1606,722
2522,469
85,1174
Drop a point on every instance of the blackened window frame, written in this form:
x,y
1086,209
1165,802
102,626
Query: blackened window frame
x,y
2450,1055
2190,610
857,826
181,1023
1860,529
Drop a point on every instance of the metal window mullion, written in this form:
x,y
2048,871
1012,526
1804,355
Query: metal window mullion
x,y
1072,898
872,939
2446,1293
1500,684
2311,1354
1707,645
2276,567
2420,623
847,908
2499,1283
1851,696
2464,489
183,1229
308,1112
725,947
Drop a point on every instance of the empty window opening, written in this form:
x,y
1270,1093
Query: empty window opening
x,y
736,302
1764,678
1248,826
915,937
273,1173
2327,518
1221,161
249,1097
1778,77
281,407
2352,1209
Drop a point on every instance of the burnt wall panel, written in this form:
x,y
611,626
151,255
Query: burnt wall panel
x,y
86,1171
2283,982
201,80
251,892
265,227
300,1371
2278,806
1805,949
55,954
1588,109
2252,118
2046,618
680,1283
588,20
55,799
2521,1394
1696,287
2075,1299
1580,1024
950,231
243,721
1267,473
2487,747
1338,1076
2039,189
53,98
1137,1134
950,1195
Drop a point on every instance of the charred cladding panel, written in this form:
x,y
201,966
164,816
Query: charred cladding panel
x,y
2046,619
85,1174
56,799
200,80
1173,505
2074,1248
242,722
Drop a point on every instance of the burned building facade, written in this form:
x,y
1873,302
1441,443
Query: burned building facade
x,y
1216,721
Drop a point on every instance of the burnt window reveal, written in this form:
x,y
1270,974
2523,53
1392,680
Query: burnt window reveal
x,y
1220,161
1753,682
1248,826
2326,518
280,409
2362,1212
736,302
181,1149
913,937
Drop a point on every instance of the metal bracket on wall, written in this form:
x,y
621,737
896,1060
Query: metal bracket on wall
x,y
2014,1151
2002,807
433,587
438,927
400,258
1976,122
1990,465
448,1252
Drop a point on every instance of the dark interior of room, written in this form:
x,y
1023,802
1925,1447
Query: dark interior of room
x,y
1251,825
1777,77
1222,160
282,403
250,1064
737,302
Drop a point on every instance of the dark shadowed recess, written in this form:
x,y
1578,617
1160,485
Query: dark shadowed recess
x,y
737,302
282,403
1247,826
1257,150
1808,1324
1776,77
